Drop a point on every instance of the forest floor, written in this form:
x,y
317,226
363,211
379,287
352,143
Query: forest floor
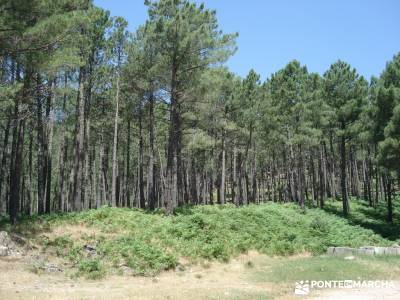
x,y
254,252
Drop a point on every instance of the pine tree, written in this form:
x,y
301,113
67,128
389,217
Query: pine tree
x,y
345,91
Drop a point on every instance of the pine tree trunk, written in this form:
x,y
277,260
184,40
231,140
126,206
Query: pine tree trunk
x,y
128,164
28,208
345,200
235,199
240,183
193,183
49,146
16,161
322,178
63,151
4,155
40,153
222,184
173,151
142,200
115,145
151,192
16,171
79,158
389,198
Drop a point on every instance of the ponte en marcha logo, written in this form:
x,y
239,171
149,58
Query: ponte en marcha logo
x,y
304,287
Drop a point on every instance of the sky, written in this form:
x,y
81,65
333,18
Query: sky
x,y
364,33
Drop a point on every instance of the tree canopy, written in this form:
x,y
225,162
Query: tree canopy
x,y
93,115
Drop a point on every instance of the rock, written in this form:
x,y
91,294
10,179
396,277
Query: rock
x,y
180,268
330,251
380,250
19,240
3,251
392,251
4,239
52,268
367,250
343,251
126,270
7,246
90,250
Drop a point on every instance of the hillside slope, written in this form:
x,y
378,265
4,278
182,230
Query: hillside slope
x,y
105,241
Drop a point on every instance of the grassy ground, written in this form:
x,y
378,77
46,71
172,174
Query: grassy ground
x,y
326,268
147,243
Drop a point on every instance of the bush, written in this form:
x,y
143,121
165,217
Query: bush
x,y
91,268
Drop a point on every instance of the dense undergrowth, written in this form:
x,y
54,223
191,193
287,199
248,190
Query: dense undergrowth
x,y
147,243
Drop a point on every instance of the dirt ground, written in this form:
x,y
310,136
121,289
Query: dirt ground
x,y
217,281
360,294
213,281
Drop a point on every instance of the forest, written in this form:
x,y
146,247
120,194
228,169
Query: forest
x,y
93,115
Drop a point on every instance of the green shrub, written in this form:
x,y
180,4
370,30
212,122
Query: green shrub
x,y
141,257
91,268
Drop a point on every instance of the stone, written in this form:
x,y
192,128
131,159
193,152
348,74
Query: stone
x,y
4,239
367,250
19,240
343,251
126,270
3,251
392,251
90,250
330,251
50,268
380,250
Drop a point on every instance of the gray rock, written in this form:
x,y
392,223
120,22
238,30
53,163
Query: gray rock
x,y
90,250
52,268
8,243
21,241
3,251
126,270
330,251
367,250
343,251
4,239
380,250
392,251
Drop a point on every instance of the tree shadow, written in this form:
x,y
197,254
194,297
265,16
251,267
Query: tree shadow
x,y
371,218
30,226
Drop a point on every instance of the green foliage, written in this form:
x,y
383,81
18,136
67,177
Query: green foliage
x,y
91,268
345,91
142,257
373,218
148,243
